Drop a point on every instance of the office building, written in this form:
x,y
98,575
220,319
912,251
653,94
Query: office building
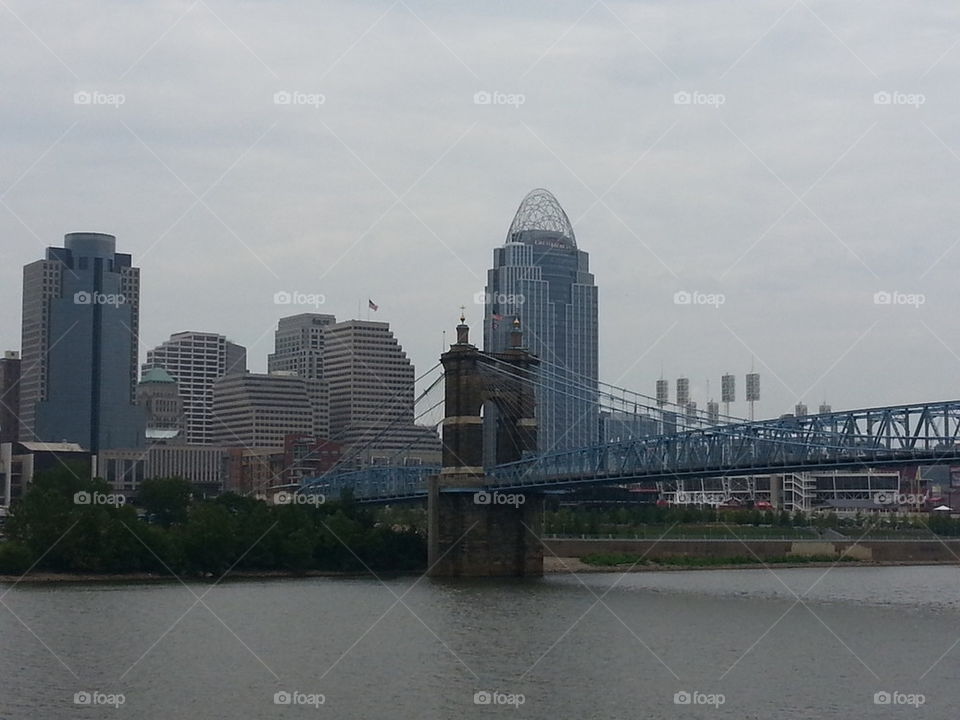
x,y
541,277
81,319
253,410
21,461
371,383
196,360
159,396
298,345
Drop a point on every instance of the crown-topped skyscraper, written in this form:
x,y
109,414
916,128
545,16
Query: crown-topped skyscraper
x,y
541,277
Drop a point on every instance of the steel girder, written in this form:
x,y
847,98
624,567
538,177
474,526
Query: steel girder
x,y
872,437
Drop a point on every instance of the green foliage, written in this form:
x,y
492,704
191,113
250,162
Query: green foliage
x,y
165,499
180,534
15,558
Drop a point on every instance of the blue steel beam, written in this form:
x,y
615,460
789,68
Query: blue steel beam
x,y
873,437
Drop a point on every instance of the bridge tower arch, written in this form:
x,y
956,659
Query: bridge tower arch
x,y
474,531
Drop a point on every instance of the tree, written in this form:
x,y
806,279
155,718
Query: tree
x,y
165,499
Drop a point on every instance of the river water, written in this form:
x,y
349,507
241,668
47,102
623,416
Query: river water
x,y
791,643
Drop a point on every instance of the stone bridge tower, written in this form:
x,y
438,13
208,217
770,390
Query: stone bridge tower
x,y
476,531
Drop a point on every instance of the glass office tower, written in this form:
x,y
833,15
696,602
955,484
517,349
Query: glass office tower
x,y
541,277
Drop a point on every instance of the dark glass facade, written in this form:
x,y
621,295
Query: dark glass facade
x,y
88,345
541,277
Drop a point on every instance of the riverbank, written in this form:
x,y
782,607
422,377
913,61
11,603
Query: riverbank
x,y
573,565
46,578
909,552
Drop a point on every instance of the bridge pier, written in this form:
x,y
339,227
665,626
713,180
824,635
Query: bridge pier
x,y
477,533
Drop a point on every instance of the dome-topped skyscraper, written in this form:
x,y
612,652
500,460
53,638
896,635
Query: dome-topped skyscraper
x,y
540,218
541,277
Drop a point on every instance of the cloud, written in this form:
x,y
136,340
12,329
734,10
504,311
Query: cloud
x,y
398,186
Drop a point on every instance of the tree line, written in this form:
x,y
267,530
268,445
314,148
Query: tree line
x,y
68,524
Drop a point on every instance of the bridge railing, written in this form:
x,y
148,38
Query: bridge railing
x,y
377,481
875,435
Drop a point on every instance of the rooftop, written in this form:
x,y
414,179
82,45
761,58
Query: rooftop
x,y
540,211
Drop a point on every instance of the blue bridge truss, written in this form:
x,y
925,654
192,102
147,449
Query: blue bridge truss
x,y
871,438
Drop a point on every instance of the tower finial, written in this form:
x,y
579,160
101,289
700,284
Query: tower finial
x,y
463,330
516,335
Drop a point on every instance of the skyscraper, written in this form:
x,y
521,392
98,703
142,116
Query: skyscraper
x,y
81,321
196,360
371,395
298,345
541,277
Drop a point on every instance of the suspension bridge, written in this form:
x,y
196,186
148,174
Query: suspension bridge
x,y
666,444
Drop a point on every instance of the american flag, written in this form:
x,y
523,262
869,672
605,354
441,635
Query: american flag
x,y
372,305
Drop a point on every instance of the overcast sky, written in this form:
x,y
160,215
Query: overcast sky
x,y
734,151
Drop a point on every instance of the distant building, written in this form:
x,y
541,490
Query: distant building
x,y
21,461
196,360
307,456
298,345
371,383
541,277
81,320
623,427
253,410
159,396
254,471
10,397
203,466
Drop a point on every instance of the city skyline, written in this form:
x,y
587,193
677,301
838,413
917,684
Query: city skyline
x,y
694,194
400,448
